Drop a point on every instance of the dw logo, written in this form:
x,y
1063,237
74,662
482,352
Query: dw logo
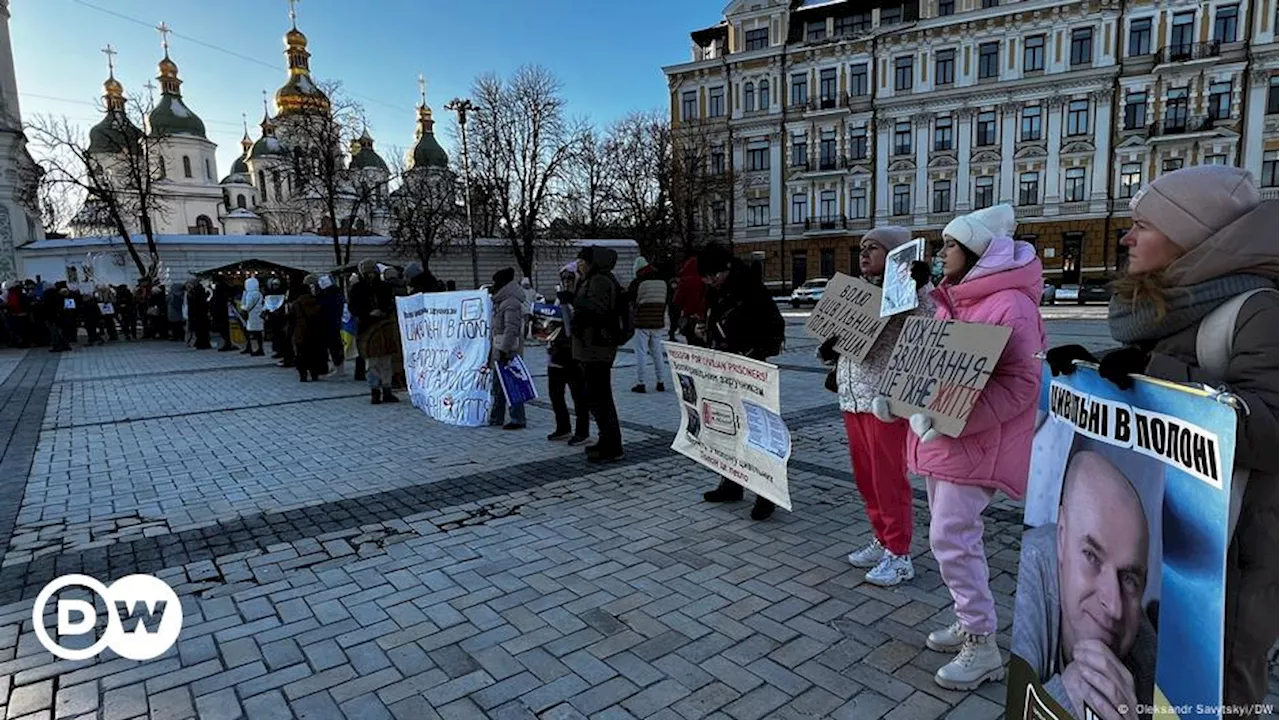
x,y
143,615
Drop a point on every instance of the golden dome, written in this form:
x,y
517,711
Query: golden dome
x,y
295,39
168,68
113,87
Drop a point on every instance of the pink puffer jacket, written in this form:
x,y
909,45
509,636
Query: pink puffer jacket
x,y
995,448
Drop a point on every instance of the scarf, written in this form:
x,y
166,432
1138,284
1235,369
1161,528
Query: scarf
x,y
1139,322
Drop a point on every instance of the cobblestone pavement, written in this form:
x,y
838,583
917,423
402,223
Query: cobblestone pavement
x,y
337,559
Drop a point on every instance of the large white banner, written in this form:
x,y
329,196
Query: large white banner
x,y
729,418
446,354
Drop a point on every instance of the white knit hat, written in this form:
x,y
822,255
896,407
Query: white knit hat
x,y
976,230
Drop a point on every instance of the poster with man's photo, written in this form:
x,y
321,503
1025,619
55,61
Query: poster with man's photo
x,y
1121,578
729,418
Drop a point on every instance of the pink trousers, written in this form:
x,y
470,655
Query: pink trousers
x,y
955,536
879,455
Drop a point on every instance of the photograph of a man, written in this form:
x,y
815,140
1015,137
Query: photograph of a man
x,y
1079,619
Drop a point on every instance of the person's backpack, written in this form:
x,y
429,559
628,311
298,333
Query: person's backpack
x,y
625,321
1215,341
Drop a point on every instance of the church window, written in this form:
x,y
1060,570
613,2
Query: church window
x,y
204,226
186,166
208,169
278,185
262,182
240,203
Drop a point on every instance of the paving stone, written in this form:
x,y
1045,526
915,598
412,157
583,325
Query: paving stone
x,y
30,698
220,705
919,706
553,693
974,707
705,701
366,707
121,703
505,690
603,695
172,704
319,706
76,700
458,687
656,697
413,708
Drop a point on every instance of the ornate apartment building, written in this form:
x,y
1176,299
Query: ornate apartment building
x,y
832,117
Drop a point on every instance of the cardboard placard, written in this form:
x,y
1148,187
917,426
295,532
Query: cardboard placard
x,y
850,308
939,367
899,294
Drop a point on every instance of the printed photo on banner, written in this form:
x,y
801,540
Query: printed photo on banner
x,y
730,420
445,337
939,368
899,288
1119,607
850,309
548,321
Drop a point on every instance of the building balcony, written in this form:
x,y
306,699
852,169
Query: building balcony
x,y
1028,211
825,224
1188,52
1120,204
939,218
757,231
1269,193
1073,208
825,103
1179,125
865,223
858,103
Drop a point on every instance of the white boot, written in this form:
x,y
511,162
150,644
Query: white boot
x,y
978,661
891,570
948,639
869,556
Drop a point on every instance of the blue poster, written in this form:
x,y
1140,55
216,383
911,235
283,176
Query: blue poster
x,y
446,342
516,382
1122,573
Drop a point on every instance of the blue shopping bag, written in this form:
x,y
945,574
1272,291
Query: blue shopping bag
x,y
517,384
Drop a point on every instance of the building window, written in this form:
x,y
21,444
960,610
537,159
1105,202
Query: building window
x,y
1273,95
240,202
758,156
799,89
815,30
986,128
827,149
277,185
827,87
942,133
1075,185
859,81
902,199
1175,114
1225,23
717,160
764,94
757,39
1029,189
1220,100
1033,54
988,60
1171,165
1184,33
799,149
1082,46
204,226
990,3
1215,159
758,213
942,196
1078,117
208,169
1032,123
715,102
262,183
186,166
827,262
689,105
946,71
1140,37
902,138
853,24
984,192
799,207
1269,168
1130,179
827,205
858,144
902,73
893,15
748,97
1135,110
858,204
946,7
719,215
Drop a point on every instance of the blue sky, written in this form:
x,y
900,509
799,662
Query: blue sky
x,y
607,53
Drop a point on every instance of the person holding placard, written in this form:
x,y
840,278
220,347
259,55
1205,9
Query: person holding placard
x,y
991,279
1198,304
508,342
877,440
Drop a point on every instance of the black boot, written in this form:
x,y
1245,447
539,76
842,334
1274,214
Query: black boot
x,y
728,491
388,397
375,396
763,508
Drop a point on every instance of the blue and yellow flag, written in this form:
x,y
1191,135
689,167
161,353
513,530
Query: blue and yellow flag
x,y
348,333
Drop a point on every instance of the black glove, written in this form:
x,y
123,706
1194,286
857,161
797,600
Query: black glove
x,y
1118,365
1062,359
827,350
831,383
920,273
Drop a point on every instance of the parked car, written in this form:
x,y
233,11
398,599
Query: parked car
x,y
809,293
1094,290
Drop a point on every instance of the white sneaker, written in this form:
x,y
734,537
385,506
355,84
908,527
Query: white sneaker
x,y
869,556
337,372
979,661
891,570
948,639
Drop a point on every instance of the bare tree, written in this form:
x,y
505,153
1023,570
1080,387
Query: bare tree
x,y
637,153
58,204
586,193
426,211
700,184
521,145
115,166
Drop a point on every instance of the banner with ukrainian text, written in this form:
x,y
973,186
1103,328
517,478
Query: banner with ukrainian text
x,y
730,419
1122,572
445,338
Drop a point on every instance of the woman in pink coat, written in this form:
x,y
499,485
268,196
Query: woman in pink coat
x,y
990,279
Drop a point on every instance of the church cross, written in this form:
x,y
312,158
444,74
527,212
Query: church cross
x,y
111,53
164,30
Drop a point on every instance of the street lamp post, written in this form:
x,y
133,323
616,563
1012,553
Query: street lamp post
x,y
462,106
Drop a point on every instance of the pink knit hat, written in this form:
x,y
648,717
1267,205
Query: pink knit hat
x,y
1191,204
888,236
